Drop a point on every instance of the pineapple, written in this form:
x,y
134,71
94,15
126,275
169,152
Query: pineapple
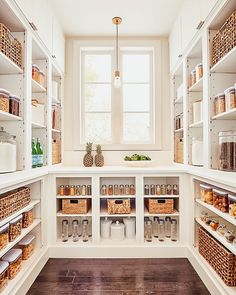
x,y
99,159
88,158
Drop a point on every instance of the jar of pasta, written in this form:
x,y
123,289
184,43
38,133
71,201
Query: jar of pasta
x,y
206,194
14,258
27,246
4,100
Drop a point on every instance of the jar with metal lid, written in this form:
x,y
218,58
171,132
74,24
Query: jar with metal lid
x,y
61,190
175,189
110,189
27,245
148,231
193,77
89,190
230,98
122,189
221,230
155,227
15,228
129,227
35,72
219,104
220,200
83,190
72,190
169,189
78,190
116,189
197,151
146,189
4,265
163,189
104,190
4,236
7,152
132,190
65,230
229,236
117,231
75,230
161,237
214,224
204,216
4,100
206,193
14,258
152,189
67,190
227,150
174,230
14,105
106,228
168,227
199,71
127,189
41,78
158,190
28,217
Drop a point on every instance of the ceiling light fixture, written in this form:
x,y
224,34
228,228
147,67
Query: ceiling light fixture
x,y
117,81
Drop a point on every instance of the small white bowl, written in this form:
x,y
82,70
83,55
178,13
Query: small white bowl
x,y
146,163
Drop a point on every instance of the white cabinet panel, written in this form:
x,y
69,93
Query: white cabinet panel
x,y
206,7
58,50
26,6
175,43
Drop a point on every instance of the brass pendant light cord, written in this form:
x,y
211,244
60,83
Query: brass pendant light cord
x,y
117,46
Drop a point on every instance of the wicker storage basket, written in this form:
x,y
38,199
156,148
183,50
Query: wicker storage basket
x,y
75,206
16,52
179,150
14,201
5,41
221,259
56,152
160,206
118,206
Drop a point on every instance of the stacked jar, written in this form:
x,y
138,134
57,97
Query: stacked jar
x,y
227,150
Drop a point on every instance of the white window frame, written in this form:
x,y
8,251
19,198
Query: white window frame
x,y
117,99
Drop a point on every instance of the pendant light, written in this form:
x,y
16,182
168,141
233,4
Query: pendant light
x,y
117,81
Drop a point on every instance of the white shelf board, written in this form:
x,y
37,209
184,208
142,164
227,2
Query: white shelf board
x,y
71,243
36,87
55,101
24,232
166,242
117,243
179,100
74,197
229,115
179,130
7,66
4,116
226,216
9,218
219,238
196,125
226,64
118,197
56,131
38,126
60,214
197,87
147,214
104,213
161,196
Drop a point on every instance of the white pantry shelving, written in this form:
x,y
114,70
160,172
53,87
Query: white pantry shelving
x,y
4,116
8,67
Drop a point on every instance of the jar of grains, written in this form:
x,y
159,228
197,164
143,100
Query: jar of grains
x,y
230,98
4,100
219,104
227,150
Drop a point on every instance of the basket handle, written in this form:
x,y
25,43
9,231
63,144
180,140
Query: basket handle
x,y
118,202
74,201
161,201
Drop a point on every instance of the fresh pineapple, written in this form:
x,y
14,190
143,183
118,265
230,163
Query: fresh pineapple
x,y
99,159
88,158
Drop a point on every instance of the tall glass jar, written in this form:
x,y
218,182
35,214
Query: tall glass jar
x,y
161,237
75,230
148,231
227,150
7,152
168,226
85,230
155,227
174,230
65,231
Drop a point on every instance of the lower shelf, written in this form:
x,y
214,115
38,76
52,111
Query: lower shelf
x,y
60,214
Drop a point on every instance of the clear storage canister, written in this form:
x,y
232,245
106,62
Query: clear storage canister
x,y
219,104
199,71
14,258
28,217
7,152
232,205
4,265
4,100
227,150
65,231
174,230
4,236
206,194
41,78
197,151
148,231
193,79
27,246
230,98
35,72
220,200
14,105
15,227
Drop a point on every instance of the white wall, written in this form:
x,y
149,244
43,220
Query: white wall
x,y
72,157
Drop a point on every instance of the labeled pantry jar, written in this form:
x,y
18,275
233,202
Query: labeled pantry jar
x,y
230,98
3,274
27,246
15,227
4,233
219,104
14,258
206,193
4,100
227,150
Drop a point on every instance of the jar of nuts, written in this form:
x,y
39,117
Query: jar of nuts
x,y
15,227
220,200
14,258
28,217
4,232
27,246
3,274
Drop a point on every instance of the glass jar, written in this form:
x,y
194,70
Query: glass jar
x,y
174,230
4,265
89,190
161,237
85,230
152,189
230,236
116,190
221,230
127,190
61,190
14,258
41,78
158,190
208,220
214,224
148,231
155,227
122,189
219,104
175,189
72,190
132,190
169,189
220,200
15,228
28,217
27,246
146,190
206,194
168,227
14,105
35,73
193,77
199,71
67,190
75,230
4,100
4,233
163,189
78,190
230,98
232,205
227,150
83,190
110,190
104,190
197,151
7,152
65,231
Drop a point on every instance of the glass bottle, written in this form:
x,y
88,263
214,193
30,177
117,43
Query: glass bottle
x,y
127,190
65,230
146,189
152,189
104,190
85,230
75,230
161,237
175,189
132,189
148,231
34,154
122,189
116,189
89,190
72,190
168,226
155,227
169,189
39,153
67,190
158,190
174,230
110,190
83,190
78,190
61,190
163,189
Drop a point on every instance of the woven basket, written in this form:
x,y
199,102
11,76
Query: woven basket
x,y
118,206
56,152
16,52
14,201
221,259
160,206
76,206
5,41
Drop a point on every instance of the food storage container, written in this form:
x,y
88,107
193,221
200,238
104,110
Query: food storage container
x,y
160,206
221,230
158,190
161,237
174,230
148,231
175,189
78,190
28,217
229,236
129,227
27,246
106,228
76,206
14,105
127,189
67,190
14,258
167,226
155,227
7,152
227,150
214,224
219,104
206,193
232,205
197,111
117,231
220,200
230,98
61,190
4,265
122,189
104,190
169,189
64,230
193,79
146,190
197,151
199,71
15,227
4,236
75,230
152,189
41,78
89,190
204,216
110,190
132,190
38,111
163,189
72,190
35,73
4,100
118,206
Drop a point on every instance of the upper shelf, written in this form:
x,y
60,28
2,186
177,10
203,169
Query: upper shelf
x,y
36,87
226,64
229,115
197,87
7,66
4,116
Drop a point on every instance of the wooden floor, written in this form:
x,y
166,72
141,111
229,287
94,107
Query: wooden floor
x,y
118,277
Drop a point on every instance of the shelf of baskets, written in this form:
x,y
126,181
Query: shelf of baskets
x,y
8,66
147,214
227,64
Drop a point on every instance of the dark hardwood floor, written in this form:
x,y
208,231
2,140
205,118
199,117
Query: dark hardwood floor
x,y
118,277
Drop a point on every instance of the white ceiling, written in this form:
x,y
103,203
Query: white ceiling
x,y
93,17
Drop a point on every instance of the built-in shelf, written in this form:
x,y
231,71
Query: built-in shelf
x,y
60,214
115,243
179,100
196,125
24,232
197,87
55,101
226,216
147,214
226,64
104,213
8,66
219,238
56,131
38,126
37,88
70,242
9,218
179,130
118,197
162,196
4,116
74,197
229,115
